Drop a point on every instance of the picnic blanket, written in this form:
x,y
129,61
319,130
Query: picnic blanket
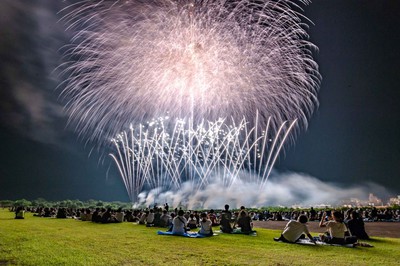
x,y
187,234
308,242
238,231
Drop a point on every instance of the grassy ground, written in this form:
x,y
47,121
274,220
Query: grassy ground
x,y
47,241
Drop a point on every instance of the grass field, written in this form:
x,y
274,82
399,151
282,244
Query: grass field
x,y
48,241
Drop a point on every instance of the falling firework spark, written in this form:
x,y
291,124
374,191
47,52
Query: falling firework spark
x,y
152,157
135,60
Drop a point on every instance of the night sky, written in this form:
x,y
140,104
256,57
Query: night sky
x,y
353,137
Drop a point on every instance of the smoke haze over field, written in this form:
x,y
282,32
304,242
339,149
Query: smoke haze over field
x,y
283,189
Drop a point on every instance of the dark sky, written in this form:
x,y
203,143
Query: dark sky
x,y
353,136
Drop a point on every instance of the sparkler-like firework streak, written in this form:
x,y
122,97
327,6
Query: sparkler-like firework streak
x,y
214,64
152,156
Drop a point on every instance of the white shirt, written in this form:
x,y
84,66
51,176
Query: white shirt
x,y
179,224
336,229
293,230
119,216
205,227
150,218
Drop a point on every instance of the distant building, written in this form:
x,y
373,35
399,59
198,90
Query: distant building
x,y
394,201
374,200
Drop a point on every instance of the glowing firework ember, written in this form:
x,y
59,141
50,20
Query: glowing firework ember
x,y
235,71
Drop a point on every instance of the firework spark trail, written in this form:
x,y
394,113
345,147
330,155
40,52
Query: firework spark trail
x,y
152,159
132,60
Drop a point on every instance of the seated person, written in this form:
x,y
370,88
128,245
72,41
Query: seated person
x,y
143,217
244,222
213,218
20,213
157,218
61,213
119,216
96,217
179,224
166,218
226,217
107,217
205,225
88,214
336,229
192,222
294,230
356,226
150,218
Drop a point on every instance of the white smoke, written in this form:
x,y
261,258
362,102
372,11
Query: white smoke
x,y
283,189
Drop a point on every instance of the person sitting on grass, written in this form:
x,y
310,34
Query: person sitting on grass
x,y
150,218
192,222
119,215
244,222
213,218
205,225
20,213
356,226
166,218
143,217
179,224
225,223
295,230
336,229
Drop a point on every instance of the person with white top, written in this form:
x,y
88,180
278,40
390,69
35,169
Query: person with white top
x,y
179,224
205,225
294,230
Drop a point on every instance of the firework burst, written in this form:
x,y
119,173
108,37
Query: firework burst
x,y
132,60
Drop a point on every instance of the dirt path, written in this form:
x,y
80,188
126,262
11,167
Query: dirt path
x,y
379,229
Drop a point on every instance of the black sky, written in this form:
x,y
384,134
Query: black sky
x,y
353,136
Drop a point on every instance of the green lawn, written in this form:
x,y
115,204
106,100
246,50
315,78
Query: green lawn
x,y
48,241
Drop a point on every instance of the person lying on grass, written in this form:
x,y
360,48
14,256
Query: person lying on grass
x,y
295,230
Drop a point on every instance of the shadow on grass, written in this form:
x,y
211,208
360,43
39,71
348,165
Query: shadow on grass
x,y
6,262
375,240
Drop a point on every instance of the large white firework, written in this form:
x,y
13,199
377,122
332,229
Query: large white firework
x,y
133,60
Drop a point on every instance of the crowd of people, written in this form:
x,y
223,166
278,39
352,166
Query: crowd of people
x,y
342,226
339,231
177,221
371,214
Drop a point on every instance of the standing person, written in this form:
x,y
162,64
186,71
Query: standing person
x,y
294,230
205,225
179,224
313,214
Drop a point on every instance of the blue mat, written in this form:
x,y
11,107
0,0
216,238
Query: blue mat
x,y
238,231
188,234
